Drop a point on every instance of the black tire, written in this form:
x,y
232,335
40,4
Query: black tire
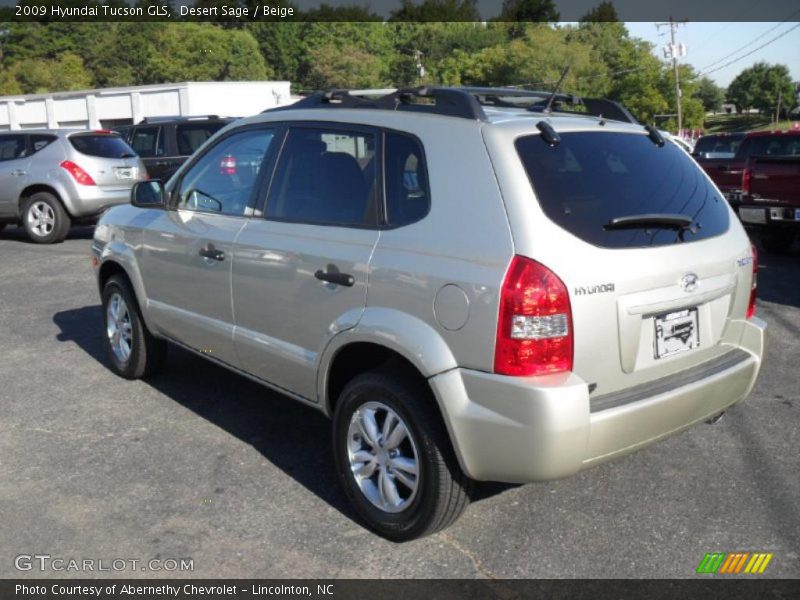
x,y
146,351
47,233
442,488
777,242
2,226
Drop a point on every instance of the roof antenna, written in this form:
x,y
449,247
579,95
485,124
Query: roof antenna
x,y
555,89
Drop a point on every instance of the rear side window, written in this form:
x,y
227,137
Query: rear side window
x,y
12,147
592,178
407,192
727,144
147,142
191,136
325,177
103,145
778,145
40,140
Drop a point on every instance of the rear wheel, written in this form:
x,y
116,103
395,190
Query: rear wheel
x,y
394,457
45,219
777,242
134,352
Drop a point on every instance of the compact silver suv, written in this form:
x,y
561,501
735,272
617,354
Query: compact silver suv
x,y
50,178
474,284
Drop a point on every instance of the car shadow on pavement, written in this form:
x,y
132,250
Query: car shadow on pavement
x,y
293,437
78,232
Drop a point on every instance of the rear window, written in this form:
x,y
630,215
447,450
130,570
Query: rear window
x,y
191,136
772,145
727,144
591,178
104,145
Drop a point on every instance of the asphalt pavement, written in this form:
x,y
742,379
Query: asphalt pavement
x,y
203,464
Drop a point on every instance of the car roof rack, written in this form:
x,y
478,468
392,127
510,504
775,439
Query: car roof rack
x,y
463,102
180,118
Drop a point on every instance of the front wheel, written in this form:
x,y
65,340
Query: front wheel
x,y
394,457
44,218
134,352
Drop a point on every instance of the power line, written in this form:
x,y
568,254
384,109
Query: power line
x,y
751,42
764,45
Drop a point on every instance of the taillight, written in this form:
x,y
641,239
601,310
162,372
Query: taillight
x,y
77,173
227,166
751,305
746,181
534,329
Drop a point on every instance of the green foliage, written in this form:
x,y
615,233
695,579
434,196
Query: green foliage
x,y
343,67
437,10
710,94
602,13
528,10
759,87
34,76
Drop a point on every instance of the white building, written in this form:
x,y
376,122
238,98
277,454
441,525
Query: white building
x,y
111,107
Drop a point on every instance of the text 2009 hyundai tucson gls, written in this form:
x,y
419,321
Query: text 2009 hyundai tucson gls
x,y
473,286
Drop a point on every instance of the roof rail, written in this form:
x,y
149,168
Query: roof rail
x,y
464,102
452,102
178,118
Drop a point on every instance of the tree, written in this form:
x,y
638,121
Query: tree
x,y
343,67
602,13
710,94
529,10
760,86
37,76
437,10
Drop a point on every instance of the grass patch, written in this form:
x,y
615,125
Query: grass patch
x,y
729,123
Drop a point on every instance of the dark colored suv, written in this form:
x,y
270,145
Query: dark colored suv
x,y
164,143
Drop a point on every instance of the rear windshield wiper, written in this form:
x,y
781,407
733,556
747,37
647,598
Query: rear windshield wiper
x,y
652,221
127,155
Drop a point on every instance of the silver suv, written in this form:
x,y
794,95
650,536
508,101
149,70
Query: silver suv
x,y
474,284
50,178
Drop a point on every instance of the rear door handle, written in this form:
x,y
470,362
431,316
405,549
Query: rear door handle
x,y
212,253
335,277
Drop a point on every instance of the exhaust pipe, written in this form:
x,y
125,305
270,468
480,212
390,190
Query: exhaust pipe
x,y
715,419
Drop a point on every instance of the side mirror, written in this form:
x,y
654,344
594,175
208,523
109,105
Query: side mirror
x,y
148,194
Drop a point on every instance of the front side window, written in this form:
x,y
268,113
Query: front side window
x,y
145,141
325,177
224,179
407,193
592,181
12,147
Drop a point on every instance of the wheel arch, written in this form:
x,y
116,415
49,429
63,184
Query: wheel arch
x,y
35,188
119,263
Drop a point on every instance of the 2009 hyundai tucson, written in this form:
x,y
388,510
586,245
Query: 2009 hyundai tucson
x,y
474,284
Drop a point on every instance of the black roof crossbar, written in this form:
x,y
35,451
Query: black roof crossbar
x,y
451,102
464,102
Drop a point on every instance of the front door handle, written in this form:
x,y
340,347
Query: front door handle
x,y
18,172
335,277
212,253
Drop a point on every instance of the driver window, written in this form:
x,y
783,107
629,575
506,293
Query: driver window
x,y
223,180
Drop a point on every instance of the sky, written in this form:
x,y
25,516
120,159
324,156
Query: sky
x,y
708,42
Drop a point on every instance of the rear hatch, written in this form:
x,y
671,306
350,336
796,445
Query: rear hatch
x,y
654,261
107,159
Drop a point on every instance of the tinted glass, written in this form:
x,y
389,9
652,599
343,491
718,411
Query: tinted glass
x,y
104,145
728,144
40,140
407,193
224,178
12,146
325,177
144,141
777,145
591,178
191,136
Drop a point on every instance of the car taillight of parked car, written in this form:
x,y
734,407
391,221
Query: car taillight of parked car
x,y
534,329
746,181
751,305
78,174
227,166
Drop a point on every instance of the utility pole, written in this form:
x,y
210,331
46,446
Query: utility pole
x,y
778,110
674,51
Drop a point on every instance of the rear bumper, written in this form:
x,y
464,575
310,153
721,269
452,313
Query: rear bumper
x,y
761,216
527,429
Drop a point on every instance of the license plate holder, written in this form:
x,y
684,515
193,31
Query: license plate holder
x,y
675,332
124,173
753,215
